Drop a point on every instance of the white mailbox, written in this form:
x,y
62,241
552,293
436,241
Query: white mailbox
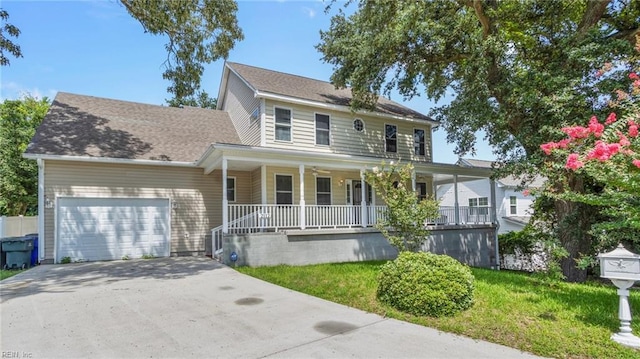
x,y
623,268
620,264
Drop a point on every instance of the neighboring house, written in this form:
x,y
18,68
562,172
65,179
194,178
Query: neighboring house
x,y
514,205
275,175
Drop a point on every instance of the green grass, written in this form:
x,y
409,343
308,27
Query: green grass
x,y
553,319
6,273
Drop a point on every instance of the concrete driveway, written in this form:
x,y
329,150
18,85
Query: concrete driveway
x,y
195,307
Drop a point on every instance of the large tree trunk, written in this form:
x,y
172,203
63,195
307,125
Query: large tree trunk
x,y
574,222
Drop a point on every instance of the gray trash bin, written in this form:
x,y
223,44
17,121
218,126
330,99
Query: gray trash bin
x,y
18,251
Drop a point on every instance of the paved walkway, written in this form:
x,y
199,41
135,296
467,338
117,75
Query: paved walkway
x,y
195,307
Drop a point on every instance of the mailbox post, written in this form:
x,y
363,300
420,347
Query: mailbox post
x,y
623,268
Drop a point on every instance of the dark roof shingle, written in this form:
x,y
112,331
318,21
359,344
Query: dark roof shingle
x,y
78,125
313,90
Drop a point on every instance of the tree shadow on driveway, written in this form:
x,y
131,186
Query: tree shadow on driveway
x,y
61,278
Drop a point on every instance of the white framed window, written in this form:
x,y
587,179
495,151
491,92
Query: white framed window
x,y
284,189
390,138
358,125
513,205
231,189
421,189
323,191
479,205
419,142
283,124
323,129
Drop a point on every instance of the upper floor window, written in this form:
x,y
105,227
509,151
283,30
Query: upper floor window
x,y
479,205
284,189
231,189
358,125
283,124
418,142
322,129
513,205
323,191
391,138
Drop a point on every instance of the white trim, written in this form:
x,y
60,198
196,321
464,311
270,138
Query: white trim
x,y
275,187
275,124
263,122
263,184
57,208
330,189
341,108
315,129
384,138
110,160
41,209
225,201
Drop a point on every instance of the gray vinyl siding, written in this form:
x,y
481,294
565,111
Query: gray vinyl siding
x,y
198,196
240,103
343,138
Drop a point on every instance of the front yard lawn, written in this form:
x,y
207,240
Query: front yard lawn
x,y
6,273
553,319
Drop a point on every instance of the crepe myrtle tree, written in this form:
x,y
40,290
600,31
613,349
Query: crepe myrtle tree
x,y
609,151
404,222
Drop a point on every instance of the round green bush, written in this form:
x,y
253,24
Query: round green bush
x,y
426,284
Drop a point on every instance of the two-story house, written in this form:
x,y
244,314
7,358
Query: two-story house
x,y
274,175
512,198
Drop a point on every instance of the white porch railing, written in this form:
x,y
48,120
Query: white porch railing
x,y
249,218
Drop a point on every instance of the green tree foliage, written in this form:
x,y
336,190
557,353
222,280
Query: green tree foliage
x,y
201,99
6,45
19,180
516,69
198,32
404,223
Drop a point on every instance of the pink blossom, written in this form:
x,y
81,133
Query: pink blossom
x,y
526,192
636,163
633,130
564,143
595,127
548,147
613,148
622,95
633,76
624,141
599,152
610,119
576,132
573,162
636,83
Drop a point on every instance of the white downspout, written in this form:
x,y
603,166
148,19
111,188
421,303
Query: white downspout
x,y
456,205
41,209
363,201
494,220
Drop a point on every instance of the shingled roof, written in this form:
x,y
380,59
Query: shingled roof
x,y
508,181
78,125
305,88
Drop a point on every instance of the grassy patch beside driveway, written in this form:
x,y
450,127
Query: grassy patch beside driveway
x,y
6,273
557,319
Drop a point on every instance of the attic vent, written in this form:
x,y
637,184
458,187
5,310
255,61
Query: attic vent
x,y
358,125
255,115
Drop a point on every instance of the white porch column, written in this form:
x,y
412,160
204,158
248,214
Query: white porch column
x,y
456,205
363,202
494,219
413,181
303,222
225,200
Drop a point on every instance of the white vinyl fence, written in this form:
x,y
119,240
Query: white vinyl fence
x,y
18,226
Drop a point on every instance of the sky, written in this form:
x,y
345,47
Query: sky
x,y
95,48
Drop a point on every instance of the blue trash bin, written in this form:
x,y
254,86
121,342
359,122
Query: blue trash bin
x,y
34,252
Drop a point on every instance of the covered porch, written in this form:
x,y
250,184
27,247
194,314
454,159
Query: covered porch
x,y
275,190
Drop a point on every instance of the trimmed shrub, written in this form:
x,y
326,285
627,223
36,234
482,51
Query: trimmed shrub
x,y
426,284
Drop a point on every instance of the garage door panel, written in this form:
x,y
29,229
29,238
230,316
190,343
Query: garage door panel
x,y
110,228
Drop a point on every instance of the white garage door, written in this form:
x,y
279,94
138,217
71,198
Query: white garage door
x,y
111,228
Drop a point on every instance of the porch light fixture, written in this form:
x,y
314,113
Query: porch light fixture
x,y
340,182
174,205
48,203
